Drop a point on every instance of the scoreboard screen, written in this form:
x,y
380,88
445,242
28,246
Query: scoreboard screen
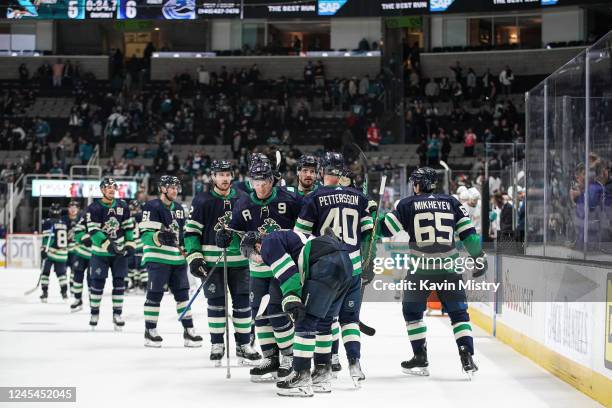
x,y
271,9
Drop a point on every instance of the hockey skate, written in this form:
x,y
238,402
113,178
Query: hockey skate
x,y
152,339
247,355
191,338
118,322
356,374
297,384
93,321
336,367
44,296
266,371
64,296
321,378
467,362
76,306
418,364
285,366
216,353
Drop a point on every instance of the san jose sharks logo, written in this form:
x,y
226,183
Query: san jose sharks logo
x,y
174,227
268,226
223,221
111,226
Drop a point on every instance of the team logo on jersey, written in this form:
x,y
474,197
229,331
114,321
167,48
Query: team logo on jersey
x,y
212,288
174,227
269,225
223,221
111,227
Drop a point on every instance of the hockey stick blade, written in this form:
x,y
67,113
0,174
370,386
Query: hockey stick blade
x,y
265,300
197,292
367,330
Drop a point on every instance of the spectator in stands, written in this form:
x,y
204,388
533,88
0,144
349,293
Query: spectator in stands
x,y
432,90
41,130
457,72
364,85
309,74
457,94
444,88
58,73
142,173
469,142
203,77
373,136
319,74
85,150
422,152
506,77
364,45
433,151
56,169
296,44
470,82
24,74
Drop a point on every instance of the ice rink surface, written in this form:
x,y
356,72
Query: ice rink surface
x,y
46,345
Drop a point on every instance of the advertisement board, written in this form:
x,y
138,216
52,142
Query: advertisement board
x,y
79,188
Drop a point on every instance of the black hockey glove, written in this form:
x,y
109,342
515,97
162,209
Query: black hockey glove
x,y
480,265
167,238
293,305
372,207
86,241
367,274
43,254
129,250
113,249
223,238
198,268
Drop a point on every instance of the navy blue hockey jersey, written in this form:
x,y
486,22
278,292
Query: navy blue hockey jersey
x,y
209,212
279,211
431,221
109,222
344,210
55,239
155,216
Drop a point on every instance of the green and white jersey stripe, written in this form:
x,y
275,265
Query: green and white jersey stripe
x,y
356,261
303,226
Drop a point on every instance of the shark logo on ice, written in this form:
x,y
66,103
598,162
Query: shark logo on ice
x,y
330,7
440,5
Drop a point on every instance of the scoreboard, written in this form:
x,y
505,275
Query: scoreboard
x,y
270,9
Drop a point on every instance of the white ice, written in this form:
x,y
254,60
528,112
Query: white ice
x,y
46,345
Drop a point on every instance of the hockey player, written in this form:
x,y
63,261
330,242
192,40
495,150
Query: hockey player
x,y
112,231
78,254
345,211
266,209
137,276
307,170
163,220
245,186
54,251
431,220
209,212
314,275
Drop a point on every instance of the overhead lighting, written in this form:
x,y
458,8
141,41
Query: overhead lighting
x,y
156,28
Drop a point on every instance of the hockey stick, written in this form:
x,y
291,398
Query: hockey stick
x,y
42,267
364,328
195,295
228,375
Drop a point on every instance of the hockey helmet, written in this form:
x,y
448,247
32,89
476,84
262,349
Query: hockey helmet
x,y
108,182
425,178
55,211
247,244
333,164
169,181
307,160
260,171
218,166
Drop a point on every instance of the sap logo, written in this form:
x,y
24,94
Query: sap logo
x,y
330,7
549,2
440,5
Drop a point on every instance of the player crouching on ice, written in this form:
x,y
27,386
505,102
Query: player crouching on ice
x,y
162,225
314,276
431,221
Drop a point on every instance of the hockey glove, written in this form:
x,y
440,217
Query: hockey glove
x,y
293,305
43,254
198,268
167,238
113,249
129,250
372,207
86,241
480,265
223,238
